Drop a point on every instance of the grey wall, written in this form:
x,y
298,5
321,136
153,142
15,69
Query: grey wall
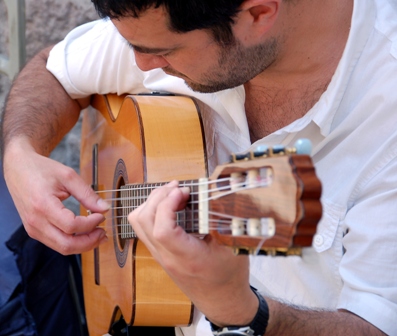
x,y
47,22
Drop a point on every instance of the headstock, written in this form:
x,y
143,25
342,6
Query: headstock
x,y
266,201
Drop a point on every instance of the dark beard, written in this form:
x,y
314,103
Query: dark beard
x,y
236,66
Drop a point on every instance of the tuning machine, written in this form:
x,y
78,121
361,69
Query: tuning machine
x,y
271,252
301,146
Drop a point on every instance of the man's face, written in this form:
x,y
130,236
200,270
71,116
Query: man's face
x,y
196,57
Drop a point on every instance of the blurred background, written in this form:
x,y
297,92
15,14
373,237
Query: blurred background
x,y
26,27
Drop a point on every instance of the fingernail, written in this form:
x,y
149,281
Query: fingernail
x,y
103,204
172,183
104,239
185,190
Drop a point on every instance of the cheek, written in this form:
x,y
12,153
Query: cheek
x,y
192,65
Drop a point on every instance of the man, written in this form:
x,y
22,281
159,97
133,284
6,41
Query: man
x,y
316,69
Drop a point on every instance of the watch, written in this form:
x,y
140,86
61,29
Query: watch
x,y
256,328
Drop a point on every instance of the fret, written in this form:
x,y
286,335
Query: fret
x,y
184,214
192,206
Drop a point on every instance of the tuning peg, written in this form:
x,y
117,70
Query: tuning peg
x,y
303,146
240,251
278,149
239,157
262,150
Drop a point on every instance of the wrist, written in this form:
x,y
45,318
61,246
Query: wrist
x,y
19,147
257,326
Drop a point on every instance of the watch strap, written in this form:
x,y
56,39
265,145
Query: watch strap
x,y
256,328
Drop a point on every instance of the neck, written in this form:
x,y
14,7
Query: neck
x,y
311,35
311,38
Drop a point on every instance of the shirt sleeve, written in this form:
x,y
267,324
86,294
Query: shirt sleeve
x,y
369,265
95,58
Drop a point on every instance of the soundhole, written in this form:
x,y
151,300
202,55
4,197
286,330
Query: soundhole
x,y
119,216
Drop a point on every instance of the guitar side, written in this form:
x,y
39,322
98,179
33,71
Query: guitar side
x,y
139,139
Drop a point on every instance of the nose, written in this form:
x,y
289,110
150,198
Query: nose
x,y
148,62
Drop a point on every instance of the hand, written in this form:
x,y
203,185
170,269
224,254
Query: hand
x,y
38,185
209,274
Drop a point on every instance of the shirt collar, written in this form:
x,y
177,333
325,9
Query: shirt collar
x,y
363,21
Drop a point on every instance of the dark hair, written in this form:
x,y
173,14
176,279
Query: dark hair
x,y
184,15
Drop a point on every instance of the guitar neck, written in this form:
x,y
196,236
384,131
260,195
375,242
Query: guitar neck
x,y
268,204
131,196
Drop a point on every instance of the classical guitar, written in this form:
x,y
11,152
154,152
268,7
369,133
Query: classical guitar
x,y
262,202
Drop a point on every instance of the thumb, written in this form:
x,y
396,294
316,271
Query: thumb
x,y
87,196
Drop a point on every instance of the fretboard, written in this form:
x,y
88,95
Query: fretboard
x,y
133,195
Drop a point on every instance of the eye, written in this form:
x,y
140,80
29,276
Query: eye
x,y
166,54
129,44
160,52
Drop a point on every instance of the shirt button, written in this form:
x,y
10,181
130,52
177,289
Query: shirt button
x,y
318,240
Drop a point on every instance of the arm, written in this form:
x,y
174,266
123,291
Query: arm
x,y
38,110
217,282
37,115
289,320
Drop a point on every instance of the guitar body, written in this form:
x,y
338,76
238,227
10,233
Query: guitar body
x,y
262,202
136,139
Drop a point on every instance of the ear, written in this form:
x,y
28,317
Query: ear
x,y
256,18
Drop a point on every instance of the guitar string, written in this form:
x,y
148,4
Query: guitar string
x,y
190,212
261,182
260,239
216,227
220,230
221,225
227,219
239,187
193,212
152,186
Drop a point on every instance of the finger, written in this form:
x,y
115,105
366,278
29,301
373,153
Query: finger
x,y
61,225
137,221
142,218
79,189
144,215
68,244
137,227
166,230
174,200
65,220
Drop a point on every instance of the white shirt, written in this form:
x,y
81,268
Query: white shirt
x,y
353,127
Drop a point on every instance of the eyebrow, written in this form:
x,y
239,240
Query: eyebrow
x,y
146,50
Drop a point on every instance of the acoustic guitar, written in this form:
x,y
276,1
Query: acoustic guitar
x,y
263,202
